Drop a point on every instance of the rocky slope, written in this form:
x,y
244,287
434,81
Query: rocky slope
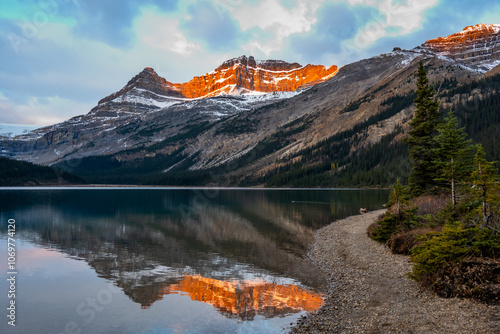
x,y
156,128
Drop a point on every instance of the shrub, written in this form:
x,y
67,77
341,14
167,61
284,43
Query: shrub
x,y
404,241
372,229
454,243
390,224
384,228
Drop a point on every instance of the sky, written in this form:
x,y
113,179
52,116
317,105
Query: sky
x,y
58,58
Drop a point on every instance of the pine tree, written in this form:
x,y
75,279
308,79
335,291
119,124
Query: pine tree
x,y
483,179
398,198
422,133
453,161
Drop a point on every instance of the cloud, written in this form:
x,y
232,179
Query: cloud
x,y
107,21
162,32
492,16
111,21
270,23
443,18
38,111
440,21
336,23
346,31
395,19
211,25
55,62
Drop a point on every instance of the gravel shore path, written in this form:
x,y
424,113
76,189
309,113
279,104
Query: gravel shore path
x,y
369,292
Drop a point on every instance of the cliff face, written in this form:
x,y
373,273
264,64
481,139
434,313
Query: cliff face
x,y
234,77
244,74
475,45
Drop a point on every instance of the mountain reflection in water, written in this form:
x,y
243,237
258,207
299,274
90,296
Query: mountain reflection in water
x,y
245,299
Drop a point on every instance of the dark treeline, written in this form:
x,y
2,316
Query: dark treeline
x,y
479,113
334,165
21,173
382,163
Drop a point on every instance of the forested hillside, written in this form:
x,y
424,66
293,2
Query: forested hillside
x,y
20,173
476,105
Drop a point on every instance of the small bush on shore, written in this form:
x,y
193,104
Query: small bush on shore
x,y
382,230
404,241
373,228
399,217
450,246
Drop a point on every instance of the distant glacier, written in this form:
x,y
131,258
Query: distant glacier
x,y
12,130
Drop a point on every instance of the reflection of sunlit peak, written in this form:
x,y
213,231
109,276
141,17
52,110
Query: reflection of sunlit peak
x,y
245,299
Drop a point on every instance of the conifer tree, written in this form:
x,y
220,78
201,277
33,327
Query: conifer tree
x,y
398,199
422,133
453,155
483,179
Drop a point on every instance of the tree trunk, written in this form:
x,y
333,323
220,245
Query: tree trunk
x,y
486,211
453,198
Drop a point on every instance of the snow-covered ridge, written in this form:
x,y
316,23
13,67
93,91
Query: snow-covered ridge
x,y
149,98
138,96
480,27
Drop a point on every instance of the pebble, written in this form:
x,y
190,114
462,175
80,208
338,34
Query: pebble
x,y
369,292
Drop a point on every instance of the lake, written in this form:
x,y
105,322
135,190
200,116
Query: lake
x,y
164,260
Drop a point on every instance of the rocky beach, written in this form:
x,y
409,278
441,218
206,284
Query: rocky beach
x,y
369,292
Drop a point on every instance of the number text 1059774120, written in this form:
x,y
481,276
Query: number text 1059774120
x,y
11,271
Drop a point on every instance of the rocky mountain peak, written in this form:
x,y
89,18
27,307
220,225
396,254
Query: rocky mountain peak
x,y
269,65
148,80
243,60
233,77
477,45
146,73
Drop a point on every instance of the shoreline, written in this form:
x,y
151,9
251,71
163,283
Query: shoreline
x,y
119,186
369,292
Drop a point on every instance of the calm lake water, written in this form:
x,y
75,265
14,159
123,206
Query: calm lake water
x,y
163,260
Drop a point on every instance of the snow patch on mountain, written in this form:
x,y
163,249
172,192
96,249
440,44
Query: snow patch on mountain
x,y
480,27
145,97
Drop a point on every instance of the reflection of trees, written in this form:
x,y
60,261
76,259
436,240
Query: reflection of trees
x,y
228,233
144,253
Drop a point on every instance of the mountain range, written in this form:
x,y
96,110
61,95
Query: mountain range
x,y
274,123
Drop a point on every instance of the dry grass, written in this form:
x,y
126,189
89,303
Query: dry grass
x,y
430,205
476,278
